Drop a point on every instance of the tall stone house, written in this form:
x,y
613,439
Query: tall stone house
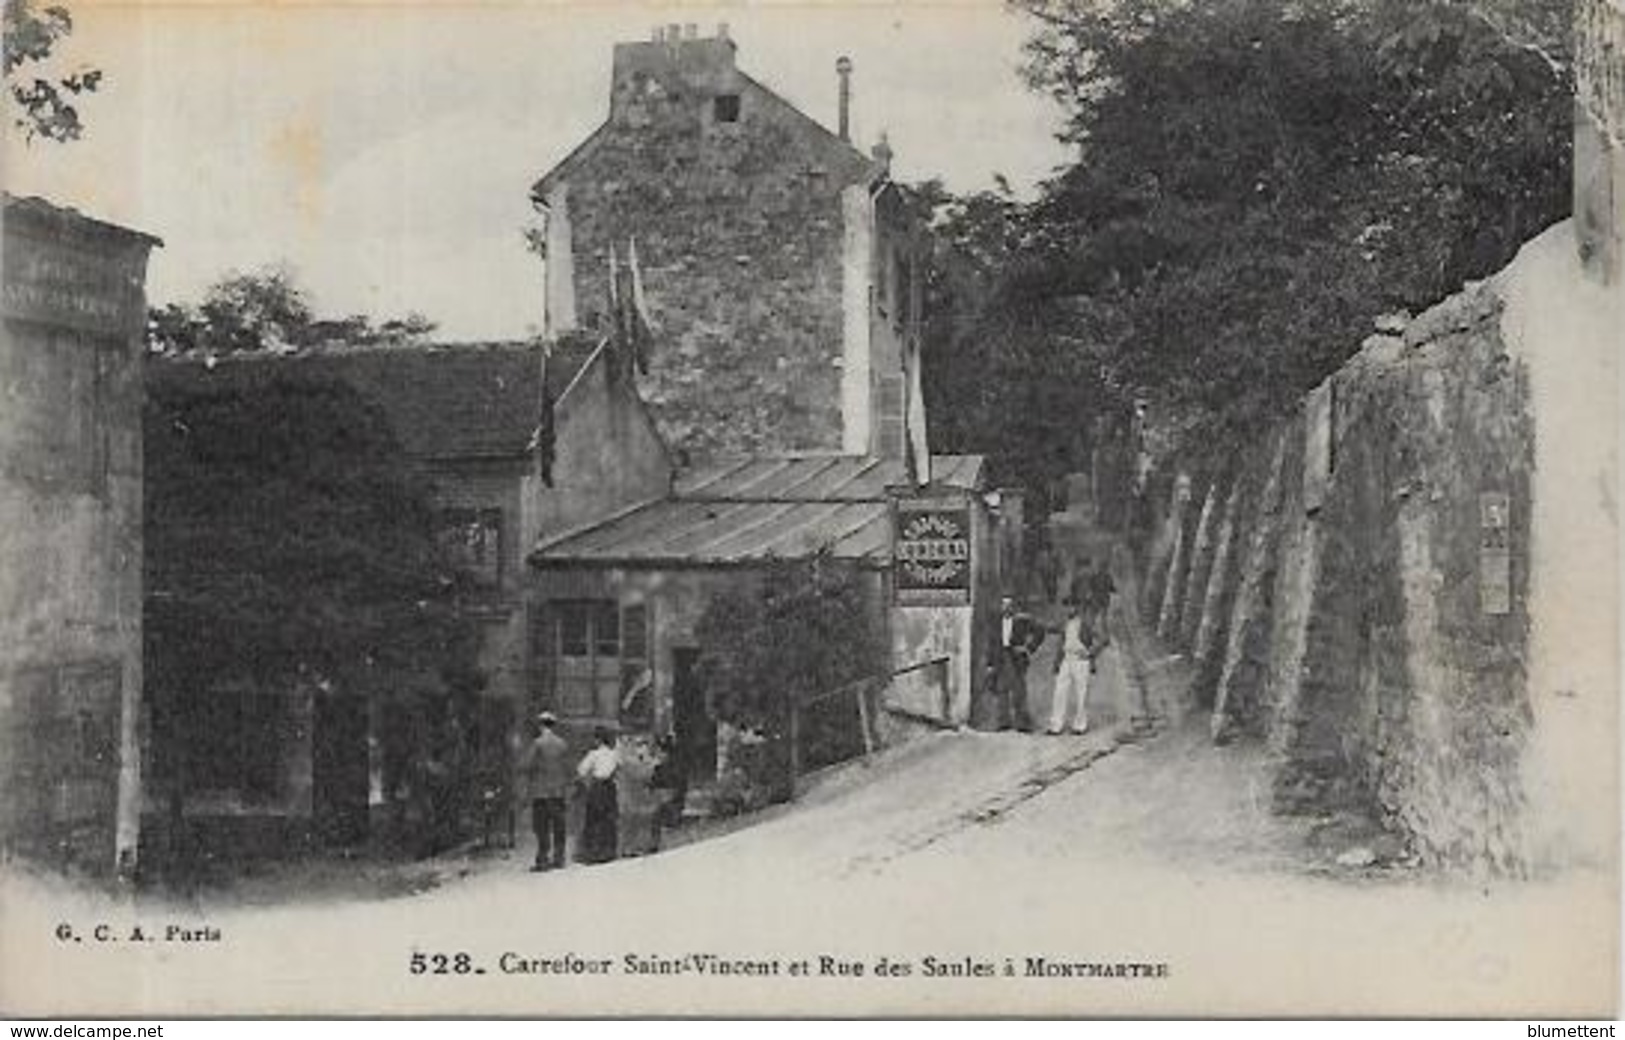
x,y
779,263
780,269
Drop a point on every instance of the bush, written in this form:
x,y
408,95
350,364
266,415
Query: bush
x,y
807,628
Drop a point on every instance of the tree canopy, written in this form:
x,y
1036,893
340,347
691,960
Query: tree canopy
x,y
806,630
287,540
267,310
43,100
1256,181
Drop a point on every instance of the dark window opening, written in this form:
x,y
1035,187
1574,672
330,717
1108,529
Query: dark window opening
x,y
726,108
905,293
472,539
606,629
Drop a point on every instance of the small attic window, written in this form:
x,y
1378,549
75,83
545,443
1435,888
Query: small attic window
x,y
725,107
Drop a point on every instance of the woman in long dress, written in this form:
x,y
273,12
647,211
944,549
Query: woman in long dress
x,y
600,820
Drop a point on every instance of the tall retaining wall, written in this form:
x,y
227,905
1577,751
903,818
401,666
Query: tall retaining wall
x,y
1360,593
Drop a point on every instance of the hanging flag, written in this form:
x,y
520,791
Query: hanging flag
x,y
638,325
618,348
541,441
914,429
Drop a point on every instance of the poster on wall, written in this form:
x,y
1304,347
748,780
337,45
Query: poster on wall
x,y
932,553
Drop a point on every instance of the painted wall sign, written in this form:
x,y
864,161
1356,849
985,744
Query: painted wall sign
x,y
932,553
62,285
1494,553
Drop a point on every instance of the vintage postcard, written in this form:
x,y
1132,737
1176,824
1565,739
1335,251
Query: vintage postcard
x,y
1048,508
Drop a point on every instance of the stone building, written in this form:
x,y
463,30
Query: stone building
x,y
74,310
467,417
781,272
616,604
780,264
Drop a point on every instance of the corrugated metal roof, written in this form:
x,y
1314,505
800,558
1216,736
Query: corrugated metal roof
x,y
753,510
818,478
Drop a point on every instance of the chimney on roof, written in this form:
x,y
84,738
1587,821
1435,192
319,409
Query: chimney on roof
x,y
722,30
883,153
843,70
690,31
656,34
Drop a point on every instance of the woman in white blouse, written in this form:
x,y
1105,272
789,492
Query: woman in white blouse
x,y
600,821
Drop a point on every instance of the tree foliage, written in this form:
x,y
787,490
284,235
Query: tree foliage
x,y
287,542
1007,374
267,310
806,629
1256,181
43,100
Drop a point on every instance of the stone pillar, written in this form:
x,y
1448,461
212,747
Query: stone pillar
x,y
1293,597
1246,649
1190,610
1172,584
1210,625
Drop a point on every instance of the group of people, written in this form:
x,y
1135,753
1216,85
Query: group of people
x,y
1083,635
551,779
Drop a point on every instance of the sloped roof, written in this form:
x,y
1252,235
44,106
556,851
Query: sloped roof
x,y
445,401
816,477
754,510
852,166
51,214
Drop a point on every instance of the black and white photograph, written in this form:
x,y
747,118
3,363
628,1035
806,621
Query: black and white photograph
x,y
868,508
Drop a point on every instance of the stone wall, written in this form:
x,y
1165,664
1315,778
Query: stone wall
x,y
739,238
1356,593
70,537
1411,594
1425,622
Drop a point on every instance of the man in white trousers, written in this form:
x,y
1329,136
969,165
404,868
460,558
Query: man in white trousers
x,y
1073,662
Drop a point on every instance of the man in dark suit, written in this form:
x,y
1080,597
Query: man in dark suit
x,y
1020,636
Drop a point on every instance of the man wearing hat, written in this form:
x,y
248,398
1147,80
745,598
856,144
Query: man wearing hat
x,y
546,771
